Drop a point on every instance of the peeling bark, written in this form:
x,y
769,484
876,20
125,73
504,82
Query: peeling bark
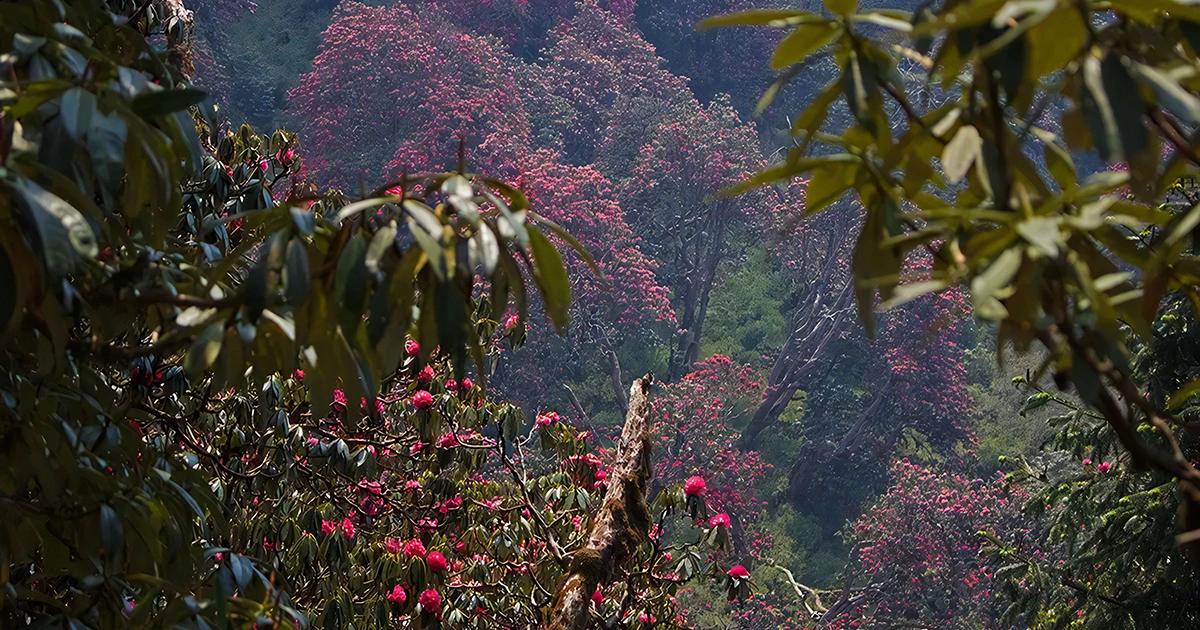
x,y
177,23
623,522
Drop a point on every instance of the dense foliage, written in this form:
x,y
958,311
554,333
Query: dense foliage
x,y
331,378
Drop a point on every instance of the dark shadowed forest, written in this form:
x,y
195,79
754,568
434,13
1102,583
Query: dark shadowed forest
x,y
736,314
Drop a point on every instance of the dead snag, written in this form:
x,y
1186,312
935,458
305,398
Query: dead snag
x,y
623,522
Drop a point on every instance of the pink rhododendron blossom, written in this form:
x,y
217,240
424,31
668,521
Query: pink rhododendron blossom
x,y
694,486
422,400
397,595
414,548
738,571
436,561
430,601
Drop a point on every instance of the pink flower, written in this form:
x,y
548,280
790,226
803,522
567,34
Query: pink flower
x,y
415,450
392,546
721,519
263,164
466,384
268,545
426,374
600,476
339,400
397,596
546,419
430,601
451,385
738,571
378,405
412,485
414,548
436,561
1087,462
328,527
512,321
298,375
598,598
348,528
1104,467
694,486
447,440
452,503
646,618
422,400
412,347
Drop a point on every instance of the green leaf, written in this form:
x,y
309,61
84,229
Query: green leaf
x,y
296,273
1183,394
996,276
1043,233
1055,41
355,208
1035,401
961,152
1180,102
828,184
1113,108
804,40
380,244
204,350
64,235
551,277
841,7
562,233
155,104
112,533
757,17
76,109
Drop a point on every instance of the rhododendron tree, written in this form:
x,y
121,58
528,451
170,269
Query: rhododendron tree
x,y
234,402
389,83
922,553
688,157
700,448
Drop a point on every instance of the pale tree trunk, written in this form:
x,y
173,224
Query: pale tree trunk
x,y
623,522
810,339
614,375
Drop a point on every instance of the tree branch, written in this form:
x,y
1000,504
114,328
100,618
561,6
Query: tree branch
x,y
623,522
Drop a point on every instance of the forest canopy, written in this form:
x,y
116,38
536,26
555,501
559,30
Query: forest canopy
x,y
335,314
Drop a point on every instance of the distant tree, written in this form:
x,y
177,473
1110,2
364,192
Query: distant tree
x,y
389,82
688,157
921,553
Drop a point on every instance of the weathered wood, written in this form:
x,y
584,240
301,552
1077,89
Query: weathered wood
x,y
623,522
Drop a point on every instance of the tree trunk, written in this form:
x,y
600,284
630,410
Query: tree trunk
x,y
623,522
614,375
800,477
177,22
696,306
